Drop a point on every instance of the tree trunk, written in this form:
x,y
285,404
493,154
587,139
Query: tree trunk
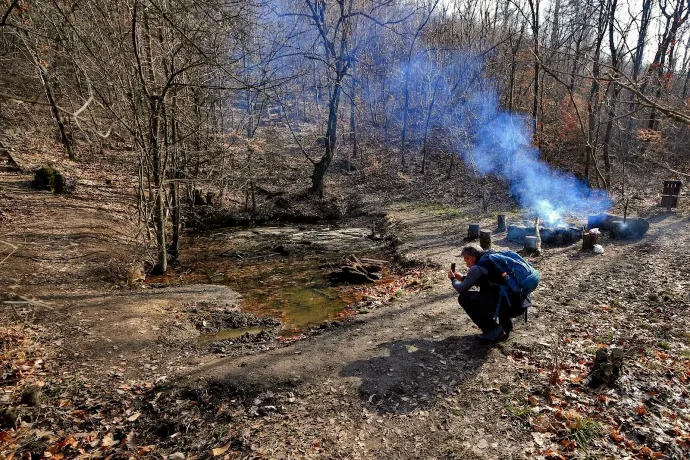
x,y
427,123
321,166
593,103
64,138
158,182
406,112
612,94
353,120
534,7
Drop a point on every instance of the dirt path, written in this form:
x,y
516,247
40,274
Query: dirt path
x,y
406,380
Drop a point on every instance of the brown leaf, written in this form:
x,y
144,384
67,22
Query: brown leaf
x,y
532,401
616,436
218,451
569,444
542,424
131,440
553,455
108,440
146,449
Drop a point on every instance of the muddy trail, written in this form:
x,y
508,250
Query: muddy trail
x,y
120,372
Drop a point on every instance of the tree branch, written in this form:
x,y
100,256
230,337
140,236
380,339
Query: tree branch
x,y
13,5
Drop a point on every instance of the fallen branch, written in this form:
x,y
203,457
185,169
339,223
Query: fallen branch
x,y
14,249
25,301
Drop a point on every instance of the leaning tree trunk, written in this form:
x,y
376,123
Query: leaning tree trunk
x,y
321,166
45,80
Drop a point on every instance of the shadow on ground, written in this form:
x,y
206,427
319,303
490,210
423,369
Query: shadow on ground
x,y
416,372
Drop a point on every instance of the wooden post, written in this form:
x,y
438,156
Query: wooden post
x,y
501,223
589,240
531,244
485,239
473,232
669,197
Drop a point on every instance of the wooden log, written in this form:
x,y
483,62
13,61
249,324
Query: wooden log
x,y
373,265
473,231
516,233
546,234
501,223
575,234
346,274
617,229
531,244
485,239
635,227
589,240
380,262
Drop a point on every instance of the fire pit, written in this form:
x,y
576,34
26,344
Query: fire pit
x,y
554,235
619,226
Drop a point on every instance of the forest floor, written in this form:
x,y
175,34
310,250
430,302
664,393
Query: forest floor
x,y
91,370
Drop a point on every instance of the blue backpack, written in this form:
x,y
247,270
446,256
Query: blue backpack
x,y
520,276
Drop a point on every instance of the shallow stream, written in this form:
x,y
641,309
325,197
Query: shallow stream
x,y
279,271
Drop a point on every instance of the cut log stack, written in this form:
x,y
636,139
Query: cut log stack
x,y
359,271
619,226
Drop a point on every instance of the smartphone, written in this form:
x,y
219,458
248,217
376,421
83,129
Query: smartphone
x,y
452,267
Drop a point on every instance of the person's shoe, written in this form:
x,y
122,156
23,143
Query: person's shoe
x,y
495,335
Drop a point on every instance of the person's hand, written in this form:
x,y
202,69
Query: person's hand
x,y
451,275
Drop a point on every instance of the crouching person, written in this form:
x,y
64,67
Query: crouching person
x,y
492,298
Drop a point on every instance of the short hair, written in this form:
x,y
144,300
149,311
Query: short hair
x,y
471,251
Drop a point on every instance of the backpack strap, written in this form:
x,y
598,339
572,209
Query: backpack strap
x,y
503,294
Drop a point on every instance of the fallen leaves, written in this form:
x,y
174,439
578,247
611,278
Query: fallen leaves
x,y
218,451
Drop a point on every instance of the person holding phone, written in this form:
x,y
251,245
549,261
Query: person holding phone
x,y
480,305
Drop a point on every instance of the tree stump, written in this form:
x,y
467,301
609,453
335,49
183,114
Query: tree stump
x,y
589,240
48,179
607,368
199,199
485,239
473,232
531,244
501,223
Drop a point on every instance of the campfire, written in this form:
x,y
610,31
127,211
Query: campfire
x,y
561,232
